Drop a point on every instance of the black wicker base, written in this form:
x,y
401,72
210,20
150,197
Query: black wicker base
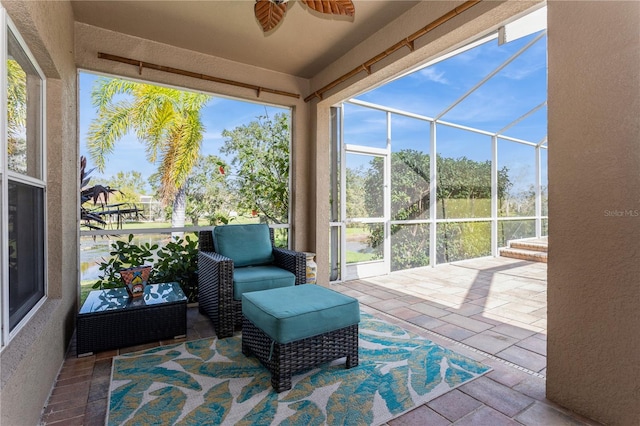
x,y
289,358
103,331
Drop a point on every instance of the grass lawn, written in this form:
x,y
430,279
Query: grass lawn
x,y
355,257
167,224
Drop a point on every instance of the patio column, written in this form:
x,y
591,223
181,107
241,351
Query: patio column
x,y
594,209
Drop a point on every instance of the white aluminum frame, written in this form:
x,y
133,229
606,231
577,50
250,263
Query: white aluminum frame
x,y
433,221
373,267
6,335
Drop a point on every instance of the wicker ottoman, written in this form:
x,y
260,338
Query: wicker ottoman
x,y
291,329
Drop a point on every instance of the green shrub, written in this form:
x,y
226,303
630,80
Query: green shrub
x,y
176,261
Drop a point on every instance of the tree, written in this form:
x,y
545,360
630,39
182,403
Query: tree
x,y
206,188
16,116
130,186
261,161
95,216
166,120
461,182
356,196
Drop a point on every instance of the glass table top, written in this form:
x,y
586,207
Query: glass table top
x,y
118,298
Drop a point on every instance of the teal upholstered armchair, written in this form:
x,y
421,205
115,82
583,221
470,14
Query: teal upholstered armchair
x,y
234,259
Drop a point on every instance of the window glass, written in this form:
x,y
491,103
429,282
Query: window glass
x,y
365,126
409,246
365,184
26,249
515,230
464,174
463,240
24,112
544,182
516,179
410,173
364,242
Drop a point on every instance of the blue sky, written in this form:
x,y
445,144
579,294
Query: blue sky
x,y
514,91
129,154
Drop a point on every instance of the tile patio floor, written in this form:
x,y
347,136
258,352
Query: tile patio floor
x,y
491,309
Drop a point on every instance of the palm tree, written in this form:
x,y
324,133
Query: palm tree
x,y
16,108
166,120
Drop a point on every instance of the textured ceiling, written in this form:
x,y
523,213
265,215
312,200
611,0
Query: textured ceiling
x,y
303,44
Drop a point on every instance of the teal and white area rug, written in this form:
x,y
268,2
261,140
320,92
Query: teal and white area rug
x,y
210,382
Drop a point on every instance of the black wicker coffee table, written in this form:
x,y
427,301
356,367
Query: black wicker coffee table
x,y
110,319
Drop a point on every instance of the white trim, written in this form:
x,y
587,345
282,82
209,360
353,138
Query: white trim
x,y
386,200
410,222
433,199
6,176
442,122
388,109
366,150
343,198
491,74
516,140
494,196
467,128
538,189
169,230
4,187
522,117
27,180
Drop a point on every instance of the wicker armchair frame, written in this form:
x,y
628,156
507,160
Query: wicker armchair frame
x,y
215,282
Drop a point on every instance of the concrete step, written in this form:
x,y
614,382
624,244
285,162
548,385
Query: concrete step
x,y
524,254
535,245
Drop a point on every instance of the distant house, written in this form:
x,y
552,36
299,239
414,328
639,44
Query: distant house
x,y
151,208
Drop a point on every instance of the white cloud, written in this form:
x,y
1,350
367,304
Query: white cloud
x,y
523,71
432,74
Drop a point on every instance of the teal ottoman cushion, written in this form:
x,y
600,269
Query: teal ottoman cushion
x,y
252,278
294,313
247,245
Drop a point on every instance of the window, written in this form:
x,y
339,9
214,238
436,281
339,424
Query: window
x,y
23,185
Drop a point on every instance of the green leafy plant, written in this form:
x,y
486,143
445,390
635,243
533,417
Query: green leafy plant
x,y
124,254
176,261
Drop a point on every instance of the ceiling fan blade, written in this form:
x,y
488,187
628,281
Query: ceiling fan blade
x,y
332,7
269,14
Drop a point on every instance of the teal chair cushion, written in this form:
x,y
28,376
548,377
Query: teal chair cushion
x,y
253,278
294,313
247,245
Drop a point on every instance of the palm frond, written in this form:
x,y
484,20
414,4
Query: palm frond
x,y
16,98
110,126
105,89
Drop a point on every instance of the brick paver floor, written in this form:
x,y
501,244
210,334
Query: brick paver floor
x,y
491,309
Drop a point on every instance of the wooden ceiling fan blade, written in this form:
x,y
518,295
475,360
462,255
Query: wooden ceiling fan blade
x,y
269,14
332,7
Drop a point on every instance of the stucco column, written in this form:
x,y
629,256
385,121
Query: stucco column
x,y
594,209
